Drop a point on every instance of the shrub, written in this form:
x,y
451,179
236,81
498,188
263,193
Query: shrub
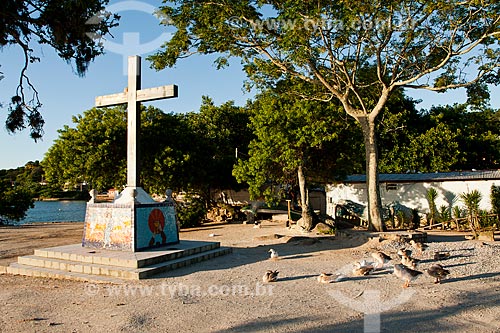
x,y
14,202
495,199
415,220
191,212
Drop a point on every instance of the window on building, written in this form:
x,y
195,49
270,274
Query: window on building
x,y
391,187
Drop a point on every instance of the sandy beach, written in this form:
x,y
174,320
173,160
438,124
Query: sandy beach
x,y
227,294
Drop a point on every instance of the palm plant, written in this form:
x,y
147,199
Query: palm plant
x,y
457,213
495,200
471,201
444,215
431,196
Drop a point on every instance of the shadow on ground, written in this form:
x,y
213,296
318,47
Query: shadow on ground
x,y
391,320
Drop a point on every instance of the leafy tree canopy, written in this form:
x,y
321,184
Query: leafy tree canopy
x,y
68,26
17,190
356,52
192,151
93,151
291,133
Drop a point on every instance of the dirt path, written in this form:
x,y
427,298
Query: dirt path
x,y
227,294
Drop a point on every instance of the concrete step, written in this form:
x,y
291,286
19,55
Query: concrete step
x,y
100,265
77,267
75,252
149,271
19,269
121,272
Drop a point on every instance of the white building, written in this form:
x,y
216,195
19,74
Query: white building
x,y
411,189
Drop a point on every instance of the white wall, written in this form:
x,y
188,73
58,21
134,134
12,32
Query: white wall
x,y
413,195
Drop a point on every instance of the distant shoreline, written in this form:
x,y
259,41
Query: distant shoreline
x,y
99,199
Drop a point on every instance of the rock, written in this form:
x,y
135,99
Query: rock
x,y
323,228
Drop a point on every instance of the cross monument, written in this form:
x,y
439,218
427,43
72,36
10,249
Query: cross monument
x,y
134,221
133,96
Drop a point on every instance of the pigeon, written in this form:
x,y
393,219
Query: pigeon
x,y
438,272
380,258
362,268
362,263
409,262
441,255
274,254
324,278
270,276
365,270
406,274
420,247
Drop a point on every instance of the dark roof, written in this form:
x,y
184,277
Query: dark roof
x,y
429,177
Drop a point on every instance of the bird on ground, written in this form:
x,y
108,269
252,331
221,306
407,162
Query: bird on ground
x,y
324,278
362,263
404,252
362,268
438,272
270,276
274,254
441,255
420,247
406,274
380,258
409,262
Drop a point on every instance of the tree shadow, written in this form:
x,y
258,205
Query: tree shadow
x,y
458,265
442,319
298,256
202,228
443,237
248,255
471,277
298,277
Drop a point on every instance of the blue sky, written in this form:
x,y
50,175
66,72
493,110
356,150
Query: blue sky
x,y
64,94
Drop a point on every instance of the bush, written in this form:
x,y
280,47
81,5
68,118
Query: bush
x,y
495,199
191,212
14,202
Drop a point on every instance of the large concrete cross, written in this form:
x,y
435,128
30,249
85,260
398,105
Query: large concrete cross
x,y
133,96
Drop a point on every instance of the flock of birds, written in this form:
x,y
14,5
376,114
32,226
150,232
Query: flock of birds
x,y
406,270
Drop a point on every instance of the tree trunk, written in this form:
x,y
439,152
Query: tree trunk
x,y
306,222
375,222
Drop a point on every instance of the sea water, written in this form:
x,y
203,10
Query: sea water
x,y
55,211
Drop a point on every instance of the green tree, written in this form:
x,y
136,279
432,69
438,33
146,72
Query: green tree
x,y
17,190
190,152
222,129
477,134
194,151
471,201
411,141
65,25
358,52
431,197
445,138
289,148
93,151
495,200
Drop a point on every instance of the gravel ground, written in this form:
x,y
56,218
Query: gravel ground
x,y
227,294
467,258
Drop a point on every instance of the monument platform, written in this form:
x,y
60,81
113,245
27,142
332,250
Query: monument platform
x,y
99,265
